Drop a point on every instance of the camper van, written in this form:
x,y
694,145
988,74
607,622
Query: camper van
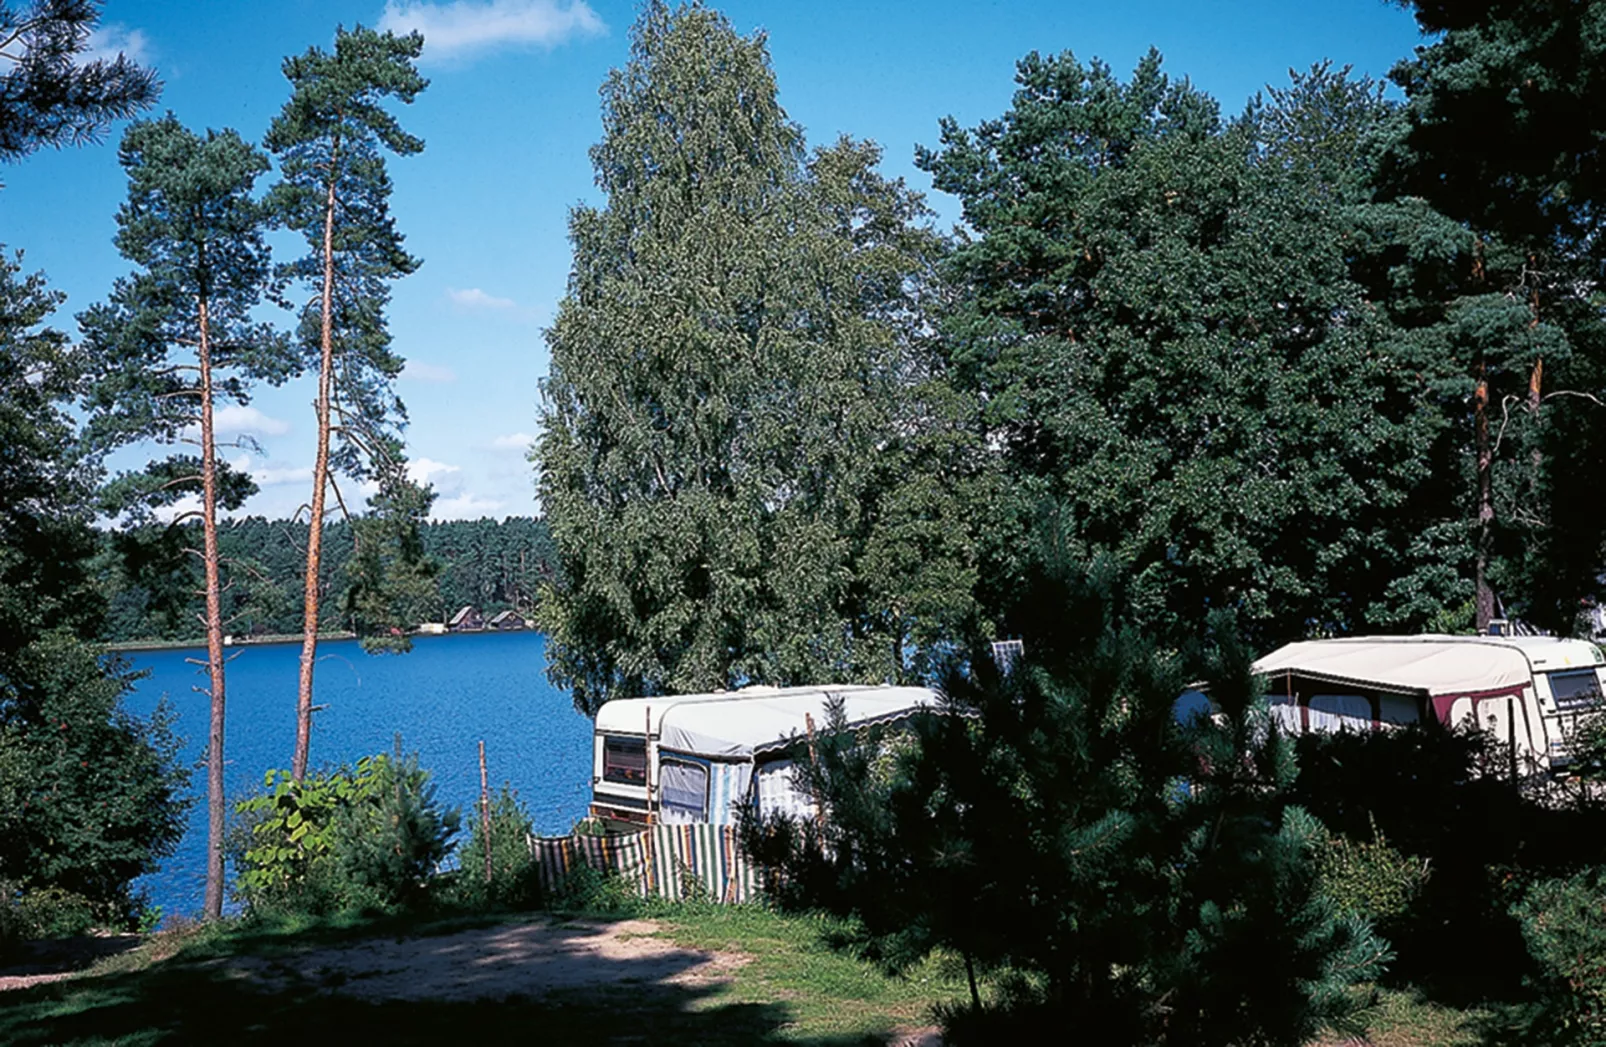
x,y
1529,691
701,757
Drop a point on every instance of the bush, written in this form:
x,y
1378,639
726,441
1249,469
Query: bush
x,y
1420,790
515,879
1564,924
91,797
47,912
1369,878
1041,830
362,839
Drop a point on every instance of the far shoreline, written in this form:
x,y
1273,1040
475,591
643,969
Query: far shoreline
x,y
273,639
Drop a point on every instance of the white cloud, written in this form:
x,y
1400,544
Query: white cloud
x,y
422,372
271,476
427,470
108,41
466,27
465,506
513,442
474,298
237,420
190,503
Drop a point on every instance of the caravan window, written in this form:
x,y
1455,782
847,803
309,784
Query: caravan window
x,y
624,760
1575,691
683,787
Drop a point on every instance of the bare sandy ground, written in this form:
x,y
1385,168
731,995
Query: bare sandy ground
x,y
51,961
526,959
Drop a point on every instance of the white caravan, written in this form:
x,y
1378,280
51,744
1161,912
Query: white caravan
x,y
701,757
1530,691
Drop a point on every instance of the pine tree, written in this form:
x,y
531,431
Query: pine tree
x,y
1502,134
48,95
1130,877
727,365
335,192
174,339
1156,311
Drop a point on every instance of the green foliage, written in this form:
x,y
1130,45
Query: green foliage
x,y
94,796
391,584
1500,134
1141,878
192,227
149,580
45,912
90,797
1428,792
1158,307
50,95
1564,924
1368,878
329,139
354,839
515,879
732,459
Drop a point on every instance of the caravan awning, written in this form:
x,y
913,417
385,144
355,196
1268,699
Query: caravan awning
x,y
739,729
1430,665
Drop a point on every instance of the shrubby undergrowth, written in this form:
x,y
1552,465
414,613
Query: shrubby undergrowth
x,y
1119,873
365,838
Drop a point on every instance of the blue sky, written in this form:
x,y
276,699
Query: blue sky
x,y
509,115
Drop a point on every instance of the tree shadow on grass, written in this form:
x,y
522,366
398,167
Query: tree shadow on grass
x,y
485,987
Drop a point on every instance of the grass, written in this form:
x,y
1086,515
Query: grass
x,y
192,986
1406,1019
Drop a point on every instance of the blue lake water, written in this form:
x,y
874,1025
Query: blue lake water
x,y
444,697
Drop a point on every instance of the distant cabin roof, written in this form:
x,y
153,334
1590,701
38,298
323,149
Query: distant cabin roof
x,y
502,616
1434,665
737,724
462,614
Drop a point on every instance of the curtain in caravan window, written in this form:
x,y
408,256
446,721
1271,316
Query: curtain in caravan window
x,y
780,791
683,788
1340,712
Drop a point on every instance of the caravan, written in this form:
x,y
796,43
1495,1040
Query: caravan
x,y
701,757
1531,692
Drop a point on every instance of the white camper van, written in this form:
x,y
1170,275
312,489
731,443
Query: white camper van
x,y
700,757
1530,691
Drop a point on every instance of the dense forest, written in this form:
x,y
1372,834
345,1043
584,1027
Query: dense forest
x,y
152,583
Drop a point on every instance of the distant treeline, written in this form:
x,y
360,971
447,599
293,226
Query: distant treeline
x,y
153,582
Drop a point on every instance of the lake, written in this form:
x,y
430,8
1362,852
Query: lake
x,y
444,697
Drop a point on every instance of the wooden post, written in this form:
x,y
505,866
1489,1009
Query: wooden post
x,y
646,753
814,760
485,813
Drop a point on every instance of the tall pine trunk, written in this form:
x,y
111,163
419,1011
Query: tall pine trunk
x,y
214,630
1485,538
320,482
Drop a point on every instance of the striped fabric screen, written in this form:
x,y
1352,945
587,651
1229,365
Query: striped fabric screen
x,y
691,860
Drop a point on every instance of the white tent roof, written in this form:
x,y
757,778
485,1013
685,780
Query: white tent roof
x,y
1432,665
737,724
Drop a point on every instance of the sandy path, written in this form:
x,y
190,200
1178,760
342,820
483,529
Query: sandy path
x,y
526,959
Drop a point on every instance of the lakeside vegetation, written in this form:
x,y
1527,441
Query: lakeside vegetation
x,y
151,584
1189,384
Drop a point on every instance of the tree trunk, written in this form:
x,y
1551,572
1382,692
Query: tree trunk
x,y
320,482
214,632
1485,547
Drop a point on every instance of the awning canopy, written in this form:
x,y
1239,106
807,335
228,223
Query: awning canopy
x,y
739,724
1430,665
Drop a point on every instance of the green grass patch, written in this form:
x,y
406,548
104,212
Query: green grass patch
x,y
241,984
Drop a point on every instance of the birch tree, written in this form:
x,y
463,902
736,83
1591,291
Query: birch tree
x,y
728,372
330,139
173,340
